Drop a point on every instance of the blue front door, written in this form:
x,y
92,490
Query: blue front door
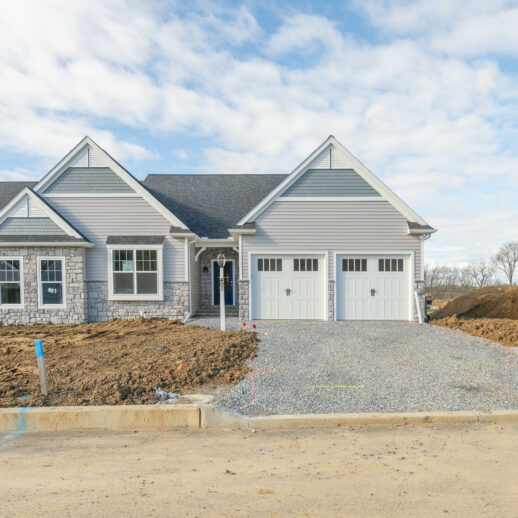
x,y
228,276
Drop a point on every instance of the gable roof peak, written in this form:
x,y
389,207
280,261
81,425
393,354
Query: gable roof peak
x,y
356,165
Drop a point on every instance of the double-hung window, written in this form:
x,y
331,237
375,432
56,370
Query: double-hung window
x,y
11,282
51,275
136,273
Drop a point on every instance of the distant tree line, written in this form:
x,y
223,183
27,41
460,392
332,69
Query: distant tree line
x,y
445,282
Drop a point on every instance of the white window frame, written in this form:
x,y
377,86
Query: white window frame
x,y
21,305
160,272
63,282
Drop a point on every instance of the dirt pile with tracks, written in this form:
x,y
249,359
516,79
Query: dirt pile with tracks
x,y
501,330
490,313
492,302
118,362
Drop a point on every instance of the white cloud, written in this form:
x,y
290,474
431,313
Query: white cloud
x,y
437,125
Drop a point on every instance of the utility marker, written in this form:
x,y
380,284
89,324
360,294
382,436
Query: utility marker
x,y
40,358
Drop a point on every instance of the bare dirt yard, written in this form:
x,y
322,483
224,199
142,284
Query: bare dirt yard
x,y
118,362
490,313
427,470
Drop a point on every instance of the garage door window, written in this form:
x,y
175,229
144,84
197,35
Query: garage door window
x,y
305,265
354,265
269,265
390,265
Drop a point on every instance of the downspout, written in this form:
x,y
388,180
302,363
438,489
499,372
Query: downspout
x,y
189,287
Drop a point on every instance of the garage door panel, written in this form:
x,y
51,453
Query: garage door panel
x,y
294,292
357,276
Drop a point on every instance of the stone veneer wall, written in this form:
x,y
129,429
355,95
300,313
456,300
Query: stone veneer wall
x,y
74,311
244,308
175,304
205,260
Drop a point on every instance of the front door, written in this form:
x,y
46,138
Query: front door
x,y
228,276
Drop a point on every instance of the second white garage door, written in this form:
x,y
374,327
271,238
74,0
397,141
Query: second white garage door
x,y
288,287
372,287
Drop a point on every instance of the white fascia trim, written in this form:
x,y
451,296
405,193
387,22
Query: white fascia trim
x,y
50,244
54,216
22,296
238,231
421,232
331,198
116,168
214,243
282,186
94,195
63,282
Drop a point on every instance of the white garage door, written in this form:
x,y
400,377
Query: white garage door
x,y
372,287
288,287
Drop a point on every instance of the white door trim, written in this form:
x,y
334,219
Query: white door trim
x,y
321,253
411,273
233,281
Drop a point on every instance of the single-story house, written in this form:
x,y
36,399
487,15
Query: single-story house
x,y
90,242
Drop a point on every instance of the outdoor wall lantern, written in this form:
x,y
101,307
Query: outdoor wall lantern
x,y
221,263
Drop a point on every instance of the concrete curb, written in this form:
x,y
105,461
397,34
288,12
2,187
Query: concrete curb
x,y
196,414
217,418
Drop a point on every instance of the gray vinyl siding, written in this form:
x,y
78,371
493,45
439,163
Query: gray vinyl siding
x,y
330,182
331,226
30,227
88,180
194,281
98,218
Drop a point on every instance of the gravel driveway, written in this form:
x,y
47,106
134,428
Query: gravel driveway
x,y
327,367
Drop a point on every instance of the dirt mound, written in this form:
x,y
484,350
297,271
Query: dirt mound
x,y
501,330
492,302
118,362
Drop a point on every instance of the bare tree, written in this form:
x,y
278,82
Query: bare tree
x,y
506,259
443,282
478,275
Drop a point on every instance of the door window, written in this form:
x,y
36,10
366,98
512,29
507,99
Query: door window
x,y
305,265
390,265
354,265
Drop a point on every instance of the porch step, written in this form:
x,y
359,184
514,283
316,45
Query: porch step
x,y
210,313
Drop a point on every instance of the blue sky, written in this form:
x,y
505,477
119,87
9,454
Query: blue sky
x,y
425,93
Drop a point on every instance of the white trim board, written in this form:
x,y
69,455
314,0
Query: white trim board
x,y
331,198
358,167
60,167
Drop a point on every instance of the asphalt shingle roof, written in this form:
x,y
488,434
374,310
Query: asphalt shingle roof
x,y
210,204
8,190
